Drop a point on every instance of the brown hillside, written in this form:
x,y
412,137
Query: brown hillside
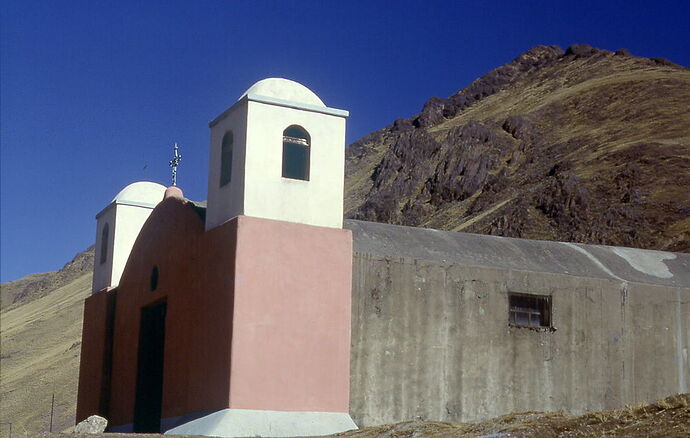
x,y
584,145
34,286
40,343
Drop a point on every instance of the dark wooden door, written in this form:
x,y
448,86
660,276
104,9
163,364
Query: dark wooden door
x,y
149,393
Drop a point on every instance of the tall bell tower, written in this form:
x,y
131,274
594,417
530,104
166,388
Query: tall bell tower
x,y
275,191
277,153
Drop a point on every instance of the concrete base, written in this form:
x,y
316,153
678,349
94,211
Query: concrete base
x,y
252,423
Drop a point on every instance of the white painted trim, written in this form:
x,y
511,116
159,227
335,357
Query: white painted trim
x,y
130,203
280,102
297,105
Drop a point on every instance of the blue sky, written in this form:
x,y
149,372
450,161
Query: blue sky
x,y
93,93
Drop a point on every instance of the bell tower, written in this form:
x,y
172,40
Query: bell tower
x,y
277,153
117,227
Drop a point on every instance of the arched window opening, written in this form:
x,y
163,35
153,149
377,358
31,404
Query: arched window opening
x,y
105,232
154,277
226,159
296,151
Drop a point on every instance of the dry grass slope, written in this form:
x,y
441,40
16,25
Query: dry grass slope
x,y
40,347
669,417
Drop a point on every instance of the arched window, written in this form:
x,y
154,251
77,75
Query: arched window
x,y
154,277
296,149
104,242
226,159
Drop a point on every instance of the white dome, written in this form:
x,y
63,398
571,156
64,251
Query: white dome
x,y
285,89
142,192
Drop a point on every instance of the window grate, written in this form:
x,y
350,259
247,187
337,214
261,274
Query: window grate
x,y
295,140
296,153
529,310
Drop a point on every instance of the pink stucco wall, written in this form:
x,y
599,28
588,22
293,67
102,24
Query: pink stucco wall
x,y
291,328
92,375
196,281
258,317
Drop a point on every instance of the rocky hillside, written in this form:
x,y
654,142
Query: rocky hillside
x,y
35,286
583,145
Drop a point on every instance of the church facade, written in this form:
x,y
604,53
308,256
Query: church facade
x,y
262,312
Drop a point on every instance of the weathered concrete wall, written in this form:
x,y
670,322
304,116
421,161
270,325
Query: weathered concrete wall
x,y
431,340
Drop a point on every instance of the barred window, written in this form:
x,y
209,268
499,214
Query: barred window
x,y
529,310
296,153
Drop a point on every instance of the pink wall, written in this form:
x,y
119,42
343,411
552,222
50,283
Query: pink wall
x,y
291,330
93,350
258,316
198,322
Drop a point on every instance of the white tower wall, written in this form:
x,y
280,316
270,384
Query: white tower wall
x,y
318,201
125,216
257,187
102,270
226,202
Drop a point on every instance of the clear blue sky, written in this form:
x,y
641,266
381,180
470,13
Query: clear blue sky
x,y
94,93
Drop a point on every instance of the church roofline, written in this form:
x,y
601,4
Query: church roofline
x,y
581,260
633,265
130,203
280,102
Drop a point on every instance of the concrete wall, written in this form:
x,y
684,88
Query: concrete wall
x,y
431,340
430,332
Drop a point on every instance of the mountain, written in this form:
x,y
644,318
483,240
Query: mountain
x,y
579,145
582,145
40,343
35,286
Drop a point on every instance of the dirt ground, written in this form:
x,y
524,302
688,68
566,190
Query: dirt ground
x,y
669,417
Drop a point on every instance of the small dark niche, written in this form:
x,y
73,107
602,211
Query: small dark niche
x,y
154,277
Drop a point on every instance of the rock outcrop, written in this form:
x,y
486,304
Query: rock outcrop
x,y
582,145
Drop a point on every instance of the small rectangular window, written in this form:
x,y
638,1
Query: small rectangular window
x,y
527,310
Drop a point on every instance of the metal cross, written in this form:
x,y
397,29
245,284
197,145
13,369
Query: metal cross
x,y
174,163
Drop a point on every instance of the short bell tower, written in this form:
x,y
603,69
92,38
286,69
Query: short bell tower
x,y
277,153
117,227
